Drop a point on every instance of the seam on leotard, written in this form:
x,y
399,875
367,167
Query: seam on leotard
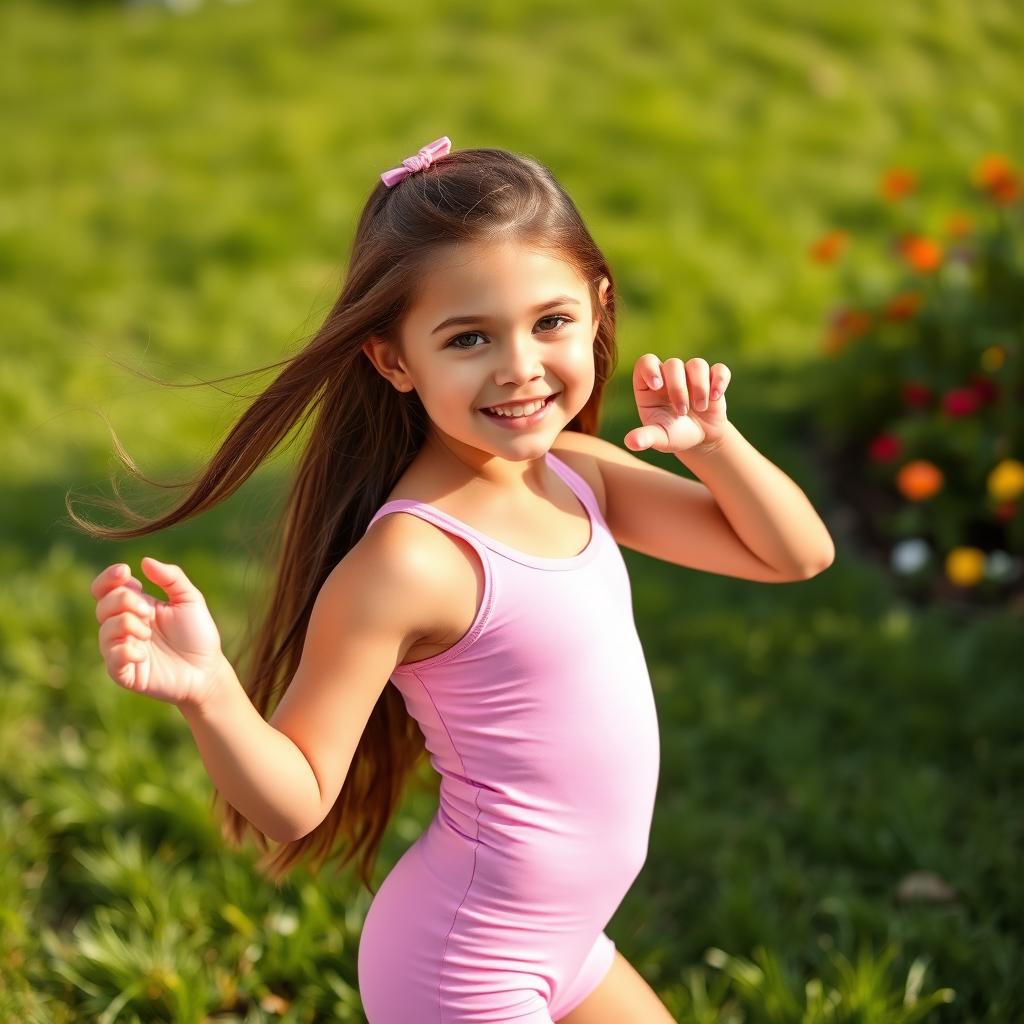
x,y
476,845
455,917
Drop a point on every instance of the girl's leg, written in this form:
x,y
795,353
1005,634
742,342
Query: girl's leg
x,y
623,997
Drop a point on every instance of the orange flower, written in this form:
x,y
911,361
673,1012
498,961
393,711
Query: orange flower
x,y
991,169
844,326
903,306
922,254
919,480
959,224
1007,189
833,342
897,182
996,175
829,247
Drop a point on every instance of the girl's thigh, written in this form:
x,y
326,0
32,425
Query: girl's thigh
x,y
622,997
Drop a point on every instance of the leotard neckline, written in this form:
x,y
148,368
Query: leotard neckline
x,y
575,483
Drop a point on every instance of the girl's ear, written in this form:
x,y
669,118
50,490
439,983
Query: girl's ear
x,y
603,290
385,359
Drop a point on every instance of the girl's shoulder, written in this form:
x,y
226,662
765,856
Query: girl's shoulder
x,y
437,574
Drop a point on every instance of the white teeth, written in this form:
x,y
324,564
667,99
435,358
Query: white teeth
x,y
519,410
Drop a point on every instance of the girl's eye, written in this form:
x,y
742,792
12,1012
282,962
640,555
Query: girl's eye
x,y
475,334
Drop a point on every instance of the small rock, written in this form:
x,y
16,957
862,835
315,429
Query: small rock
x,y
924,887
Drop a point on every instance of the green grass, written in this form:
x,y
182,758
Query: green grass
x,y
180,194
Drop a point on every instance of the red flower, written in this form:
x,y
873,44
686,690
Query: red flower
x,y
922,254
960,402
916,395
902,306
984,387
897,182
829,247
885,448
1006,511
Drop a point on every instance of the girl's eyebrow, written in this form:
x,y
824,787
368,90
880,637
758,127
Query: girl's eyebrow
x,y
474,318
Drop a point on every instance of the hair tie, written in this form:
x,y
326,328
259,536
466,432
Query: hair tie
x,y
419,162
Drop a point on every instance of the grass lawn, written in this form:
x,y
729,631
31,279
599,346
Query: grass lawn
x,y
181,188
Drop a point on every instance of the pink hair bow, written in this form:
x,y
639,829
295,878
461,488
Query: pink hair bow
x,y
420,162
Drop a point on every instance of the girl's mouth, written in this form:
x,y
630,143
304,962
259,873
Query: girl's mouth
x,y
522,422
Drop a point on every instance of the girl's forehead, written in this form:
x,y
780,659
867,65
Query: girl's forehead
x,y
495,267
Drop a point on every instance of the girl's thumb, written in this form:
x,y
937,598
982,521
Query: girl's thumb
x,y
638,440
169,578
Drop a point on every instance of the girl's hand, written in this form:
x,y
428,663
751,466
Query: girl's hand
x,y
677,404
166,650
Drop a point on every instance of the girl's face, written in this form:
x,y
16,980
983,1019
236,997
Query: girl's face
x,y
495,324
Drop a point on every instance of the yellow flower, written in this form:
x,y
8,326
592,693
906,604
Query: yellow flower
x,y
965,566
1006,481
993,358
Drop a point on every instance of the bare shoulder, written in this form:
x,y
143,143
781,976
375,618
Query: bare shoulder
x,y
372,610
414,552
436,575
579,452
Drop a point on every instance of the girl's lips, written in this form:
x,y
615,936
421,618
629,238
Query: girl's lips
x,y
522,422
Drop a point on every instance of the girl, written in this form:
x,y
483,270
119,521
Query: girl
x,y
458,379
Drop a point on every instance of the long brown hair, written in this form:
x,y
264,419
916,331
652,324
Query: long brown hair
x,y
364,434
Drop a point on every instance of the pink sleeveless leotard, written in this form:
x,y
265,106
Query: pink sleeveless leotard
x,y
541,723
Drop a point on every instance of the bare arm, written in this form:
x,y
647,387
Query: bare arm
x,y
255,767
285,775
765,508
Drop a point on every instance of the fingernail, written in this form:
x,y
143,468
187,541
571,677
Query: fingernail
x,y
715,394
655,382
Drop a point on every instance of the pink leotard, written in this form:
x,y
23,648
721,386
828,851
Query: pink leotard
x,y
541,723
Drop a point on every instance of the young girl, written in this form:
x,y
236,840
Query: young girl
x,y
458,379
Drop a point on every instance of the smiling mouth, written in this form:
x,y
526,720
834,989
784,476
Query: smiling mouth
x,y
497,415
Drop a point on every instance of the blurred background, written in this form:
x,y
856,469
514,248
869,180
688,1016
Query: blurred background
x,y
824,197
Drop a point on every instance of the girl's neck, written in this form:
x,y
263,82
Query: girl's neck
x,y
451,466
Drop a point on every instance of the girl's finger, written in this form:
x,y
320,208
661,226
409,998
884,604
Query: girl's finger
x,y
699,377
720,380
647,373
123,598
124,625
674,371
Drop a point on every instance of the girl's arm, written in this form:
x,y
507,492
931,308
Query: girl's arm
x,y
255,767
766,509
285,775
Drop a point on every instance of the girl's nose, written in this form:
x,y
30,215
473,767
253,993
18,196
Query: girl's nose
x,y
522,361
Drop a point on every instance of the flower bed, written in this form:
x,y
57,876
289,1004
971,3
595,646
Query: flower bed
x,y
920,387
